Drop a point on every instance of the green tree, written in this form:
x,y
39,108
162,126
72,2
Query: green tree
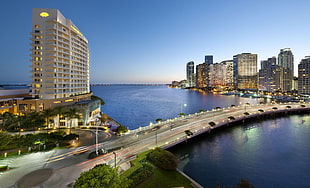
x,y
47,113
163,159
8,121
101,176
72,113
158,120
58,111
33,120
121,129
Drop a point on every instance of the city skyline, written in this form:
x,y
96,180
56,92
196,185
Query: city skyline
x,y
150,42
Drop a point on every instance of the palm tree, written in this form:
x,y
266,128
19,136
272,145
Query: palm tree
x,y
59,110
47,113
158,120
8,119
72,113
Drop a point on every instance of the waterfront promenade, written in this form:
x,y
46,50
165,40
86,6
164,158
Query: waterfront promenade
x,y
164,134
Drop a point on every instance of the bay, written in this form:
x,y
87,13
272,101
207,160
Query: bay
x,y
269,153
137,105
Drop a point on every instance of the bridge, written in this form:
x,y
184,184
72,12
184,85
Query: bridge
x,y
164,134
171,132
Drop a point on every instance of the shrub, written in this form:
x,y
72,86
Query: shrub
x,y
141,174
163,159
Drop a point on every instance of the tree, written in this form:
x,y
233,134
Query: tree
x,y
121,129
33,120
158,120
47,113
72,113
8,121
59,110
101,176
163,159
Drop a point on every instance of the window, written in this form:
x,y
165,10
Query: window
x,y
36,26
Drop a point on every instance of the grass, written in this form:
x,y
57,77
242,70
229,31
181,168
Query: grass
x,y
160,178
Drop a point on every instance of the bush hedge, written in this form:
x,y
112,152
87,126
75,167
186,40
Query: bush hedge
x,y
141,174
163,159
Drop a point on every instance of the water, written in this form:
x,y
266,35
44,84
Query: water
x,y
271,153
134,106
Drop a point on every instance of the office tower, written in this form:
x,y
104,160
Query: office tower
x,y
209,59
304,76
201,76
269,62
229,73
208,62
274,78
286,59
190,74
59,56
221,75
245,71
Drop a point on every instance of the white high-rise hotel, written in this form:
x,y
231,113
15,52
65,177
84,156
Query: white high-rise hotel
x,y
59,56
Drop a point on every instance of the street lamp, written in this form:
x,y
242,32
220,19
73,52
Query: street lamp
x,y
114,159
182,107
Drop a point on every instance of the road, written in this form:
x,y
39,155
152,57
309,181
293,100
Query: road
x,y
68,164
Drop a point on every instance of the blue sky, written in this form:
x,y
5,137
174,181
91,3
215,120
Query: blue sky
x,y
150,41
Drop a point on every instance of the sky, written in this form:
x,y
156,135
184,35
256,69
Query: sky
x,y
150,41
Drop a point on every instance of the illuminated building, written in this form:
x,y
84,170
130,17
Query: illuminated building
x,y
190,74
59,68
286,60
221,75
201,79
304,76
245,71
59,56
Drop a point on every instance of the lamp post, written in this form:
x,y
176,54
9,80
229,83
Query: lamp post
x,y
156,138
114,159
182,107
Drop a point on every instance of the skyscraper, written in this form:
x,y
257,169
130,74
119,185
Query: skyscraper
x,y
59,56
190,74
286,60
207,63
245,71
201,75
304,76
209,59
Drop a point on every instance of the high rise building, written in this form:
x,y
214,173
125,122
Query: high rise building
x,y
59,56
208,62
229,73
245,71
269,62
190,74
221,75
274,78
201,75
209,59
286,60
304,76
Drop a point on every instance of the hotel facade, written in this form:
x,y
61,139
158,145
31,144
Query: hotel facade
x,y
60,67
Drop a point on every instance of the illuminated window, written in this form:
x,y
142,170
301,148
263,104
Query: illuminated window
x,y
37,85
36,26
